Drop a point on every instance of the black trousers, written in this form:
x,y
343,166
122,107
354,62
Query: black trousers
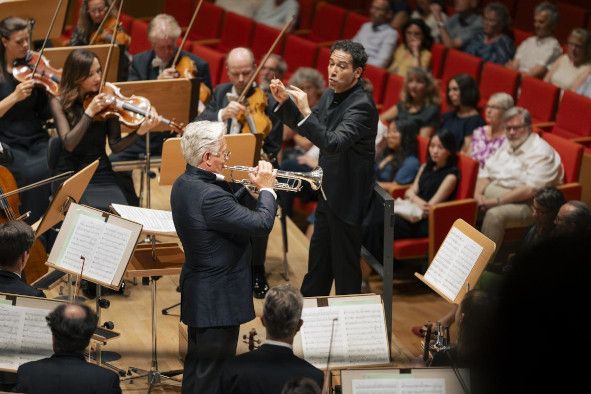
x,y
335,249
208,349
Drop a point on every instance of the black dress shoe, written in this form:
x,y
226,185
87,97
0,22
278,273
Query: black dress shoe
x,y
259,285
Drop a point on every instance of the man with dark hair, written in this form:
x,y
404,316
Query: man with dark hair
x,y
16,239
377,36
268,368
343,125
573,220
66,371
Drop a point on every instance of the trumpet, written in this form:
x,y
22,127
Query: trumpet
x,y
294,180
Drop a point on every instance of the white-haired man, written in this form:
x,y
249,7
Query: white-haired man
x,y
215,230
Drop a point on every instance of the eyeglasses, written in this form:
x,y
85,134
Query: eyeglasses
x,y
226,154
516,127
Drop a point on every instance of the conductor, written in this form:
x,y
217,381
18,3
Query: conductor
x,y
215,230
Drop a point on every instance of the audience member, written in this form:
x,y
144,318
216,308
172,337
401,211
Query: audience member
x,y
424,11
493,44
377,36
400,13
460,27
545,206
575,64
67,371
573,220
522,165
462,97
485,140
435,182
16,240
415,50
301,386
268,368
274,67
277,13
245,8
536,53
419,103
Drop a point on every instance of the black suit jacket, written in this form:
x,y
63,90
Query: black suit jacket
x,y
215,231
219,100
142,70
265,370
66,373
344,127
13,284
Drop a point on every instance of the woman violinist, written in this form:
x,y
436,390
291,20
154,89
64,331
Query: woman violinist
x,y
23,112
92,13
82,137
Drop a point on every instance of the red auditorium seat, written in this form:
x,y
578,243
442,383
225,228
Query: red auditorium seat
x,y
571,155
394,86
520,36
377,76
496,78
299,52
237,32
182,10
573,119
442,216
328,23
262,39
353,24
215,59
322,61
438,53
208,23
457,62
539,97
139,37
306,13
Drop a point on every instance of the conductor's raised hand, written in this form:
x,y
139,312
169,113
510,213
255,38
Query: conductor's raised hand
x,y
264,175
300,98
278,90
151,121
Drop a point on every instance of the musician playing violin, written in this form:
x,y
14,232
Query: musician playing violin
x,y
92,13
23,113
155,63
83,138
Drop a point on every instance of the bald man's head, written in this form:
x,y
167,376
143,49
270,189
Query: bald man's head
x,y
240,66
72,326
573,220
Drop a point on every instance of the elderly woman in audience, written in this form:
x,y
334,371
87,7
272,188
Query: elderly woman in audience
x,y
493,44
535,54
415,48
420,102
485,140
424,11
574,64
462,96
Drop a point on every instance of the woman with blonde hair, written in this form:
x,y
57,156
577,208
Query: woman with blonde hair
x,y
574,64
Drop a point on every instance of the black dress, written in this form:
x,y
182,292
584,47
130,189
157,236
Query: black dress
x,y
21,129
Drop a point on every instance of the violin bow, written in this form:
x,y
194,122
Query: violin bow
x,y
262,63
100,27
59,5
180,48
108,61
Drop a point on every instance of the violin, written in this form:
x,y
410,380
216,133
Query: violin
x,y
45,75
9,209
255,119
131,111
186,68
106,33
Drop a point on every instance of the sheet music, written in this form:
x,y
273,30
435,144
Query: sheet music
x,y
359,335
402,385
453,263
24,336
153,220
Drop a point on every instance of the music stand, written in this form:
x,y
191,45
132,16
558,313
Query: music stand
x,y
57,57
39,13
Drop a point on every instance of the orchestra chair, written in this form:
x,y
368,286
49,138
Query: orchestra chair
x,y
377,76
540,98
299,52
327,25
263,37
208,23
215,59
496,78
443,215
139,37
353,24
438,54
573,120
457,62
394,87
237,32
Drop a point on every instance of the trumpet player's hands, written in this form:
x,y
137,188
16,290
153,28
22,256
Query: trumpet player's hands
x,y
151,121
98,104
300,98
168,73
232,110
278,91
263,175
23,90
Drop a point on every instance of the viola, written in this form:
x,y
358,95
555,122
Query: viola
x,y
186,68
255,114
45,75
131,111
9,208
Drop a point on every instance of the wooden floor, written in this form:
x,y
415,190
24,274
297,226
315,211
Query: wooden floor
x,y
412,305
